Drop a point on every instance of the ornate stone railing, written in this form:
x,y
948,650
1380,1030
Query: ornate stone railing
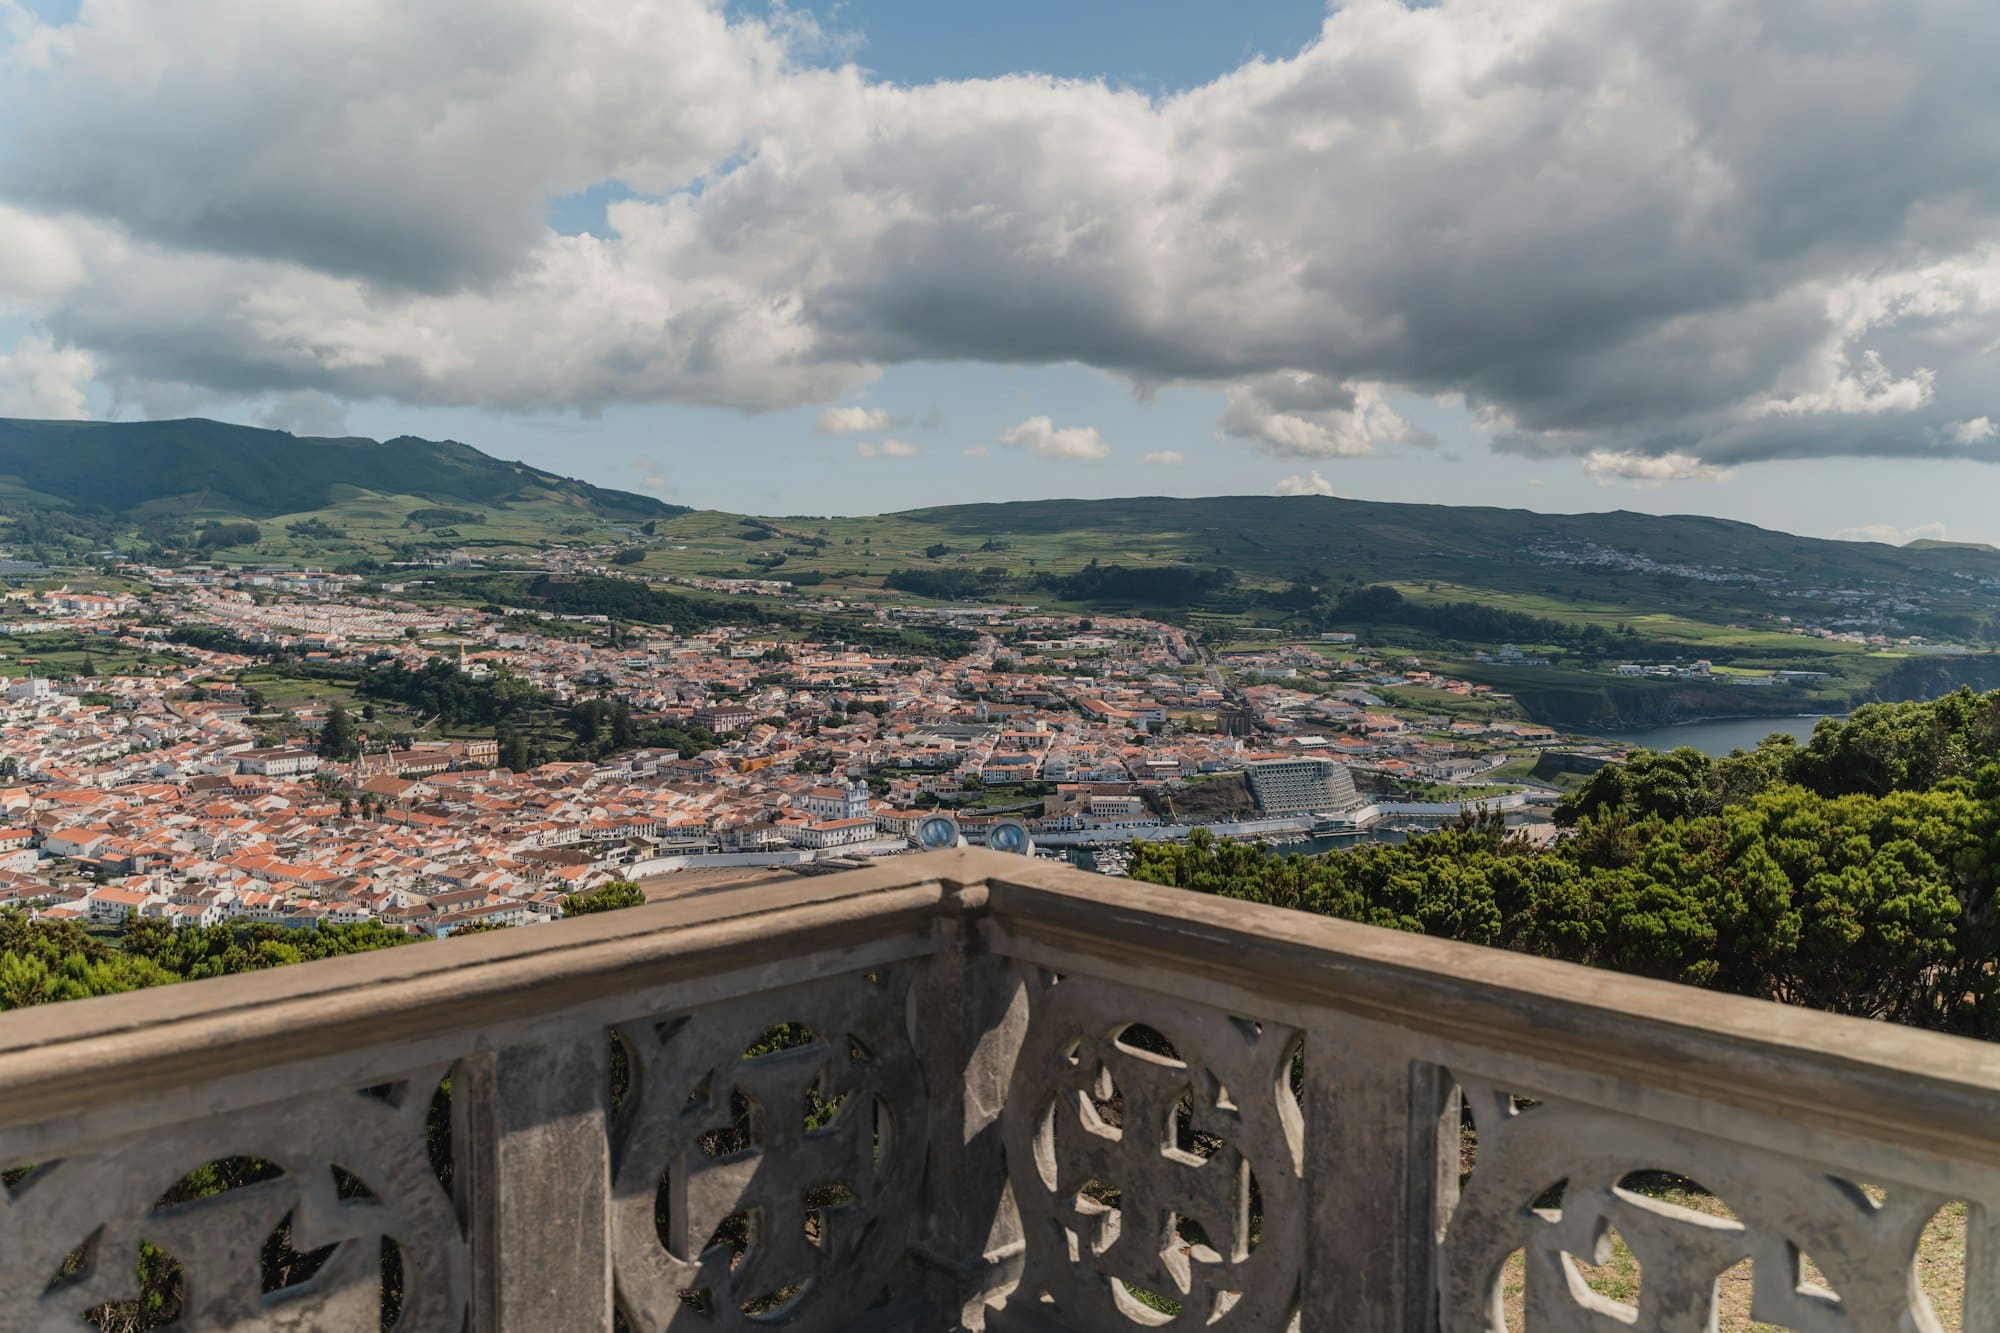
x,y
969,1090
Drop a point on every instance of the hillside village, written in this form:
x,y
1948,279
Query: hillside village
x,y
174,789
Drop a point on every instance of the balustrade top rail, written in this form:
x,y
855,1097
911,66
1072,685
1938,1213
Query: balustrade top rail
x,y
626,1131
1889,1081
73,1057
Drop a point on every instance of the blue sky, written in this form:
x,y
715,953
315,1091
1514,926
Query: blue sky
x,y
1157,45
1442,255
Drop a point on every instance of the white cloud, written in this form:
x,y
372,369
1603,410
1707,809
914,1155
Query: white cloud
x,y
652,479
414,145
39,259
1042,437
1312,416
853,420
1309,484
977,451
1977,430
1850,392
1165,458
1604,226
887,449
40,379
1648,469
305,413
1891,534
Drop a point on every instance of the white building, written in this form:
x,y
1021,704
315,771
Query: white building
x,y
110,902
835,833
1122,806
276,763
1301,786
841,803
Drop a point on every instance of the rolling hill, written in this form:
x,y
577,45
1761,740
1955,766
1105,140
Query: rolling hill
x,y
1566,565
1286,536
210,468
1583,591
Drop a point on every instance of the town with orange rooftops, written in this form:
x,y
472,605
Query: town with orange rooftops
x,y
302,747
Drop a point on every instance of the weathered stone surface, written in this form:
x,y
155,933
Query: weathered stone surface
x,y
789,1178
1555,1181
348,1170
974,1016
1000,1095
1155,1150
538,1179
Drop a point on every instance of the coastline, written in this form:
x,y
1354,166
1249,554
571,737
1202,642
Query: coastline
x,y
1608,732
1717,736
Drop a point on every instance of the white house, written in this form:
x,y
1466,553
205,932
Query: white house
x,y
277,763
108,902
835,833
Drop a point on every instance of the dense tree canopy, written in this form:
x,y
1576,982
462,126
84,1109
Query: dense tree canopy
x,y
1882,748
45,961
1855,873
613,897
1355,607
450,695
605,726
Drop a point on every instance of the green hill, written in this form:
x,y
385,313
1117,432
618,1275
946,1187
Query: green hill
x,y
1573,567
203,468
1580,592
1283,536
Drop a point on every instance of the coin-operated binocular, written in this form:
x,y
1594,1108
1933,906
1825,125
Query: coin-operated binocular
x,y
937,833
1011,836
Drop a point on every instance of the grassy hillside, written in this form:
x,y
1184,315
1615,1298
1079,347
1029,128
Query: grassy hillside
x,y
1704,573
211,466
1586,591
1281,537
1284,537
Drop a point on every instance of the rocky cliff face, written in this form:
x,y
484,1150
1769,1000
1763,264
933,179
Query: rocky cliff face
x,y
1930,677
1621,705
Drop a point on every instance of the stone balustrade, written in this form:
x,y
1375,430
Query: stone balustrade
x,y
967,1090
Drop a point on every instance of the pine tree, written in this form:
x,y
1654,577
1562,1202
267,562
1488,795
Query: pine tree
x,y
336,738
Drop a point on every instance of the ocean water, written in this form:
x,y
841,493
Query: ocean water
x,y
1718,736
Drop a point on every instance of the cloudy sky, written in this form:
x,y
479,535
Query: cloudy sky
x,y
1703,256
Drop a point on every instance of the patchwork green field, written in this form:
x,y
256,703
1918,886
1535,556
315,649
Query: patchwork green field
x,y
1584,591
64,654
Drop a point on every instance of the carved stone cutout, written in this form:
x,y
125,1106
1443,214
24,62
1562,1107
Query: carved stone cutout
x,y
1548,1182
1155,1150
350,1171
788,1181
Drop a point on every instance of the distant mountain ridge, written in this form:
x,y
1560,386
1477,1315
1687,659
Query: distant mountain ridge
x,y
1284,535
197,465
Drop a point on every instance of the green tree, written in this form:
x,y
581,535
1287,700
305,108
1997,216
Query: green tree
x,y
336,736
613,897
1881,907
